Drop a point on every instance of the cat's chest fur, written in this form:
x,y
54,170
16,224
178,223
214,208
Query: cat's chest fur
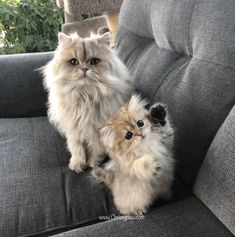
x,y
82,110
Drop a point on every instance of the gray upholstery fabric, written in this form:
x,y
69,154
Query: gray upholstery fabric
x,y
182,53
215,183
22,93
185,218
38,193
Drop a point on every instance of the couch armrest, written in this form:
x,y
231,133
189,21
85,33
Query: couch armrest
x,y
21,90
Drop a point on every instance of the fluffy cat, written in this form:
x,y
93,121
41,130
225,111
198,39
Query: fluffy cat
x,y
139,143
87,83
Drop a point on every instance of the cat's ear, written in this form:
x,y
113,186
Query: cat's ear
x,y
106,136
136,103
63,38
105,38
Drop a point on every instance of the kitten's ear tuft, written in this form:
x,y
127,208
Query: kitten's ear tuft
x,y
136,104
63,38
103,132
106,136
105,38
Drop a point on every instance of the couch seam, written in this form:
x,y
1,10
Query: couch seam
x,y
214,63
180,53
190,49
62,228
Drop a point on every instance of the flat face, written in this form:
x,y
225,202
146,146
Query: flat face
x,y
127,129
78,59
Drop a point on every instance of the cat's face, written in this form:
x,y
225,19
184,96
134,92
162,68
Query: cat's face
x,y
80,59
128,129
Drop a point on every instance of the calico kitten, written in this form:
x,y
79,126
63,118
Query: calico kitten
x,y
87,83
139,143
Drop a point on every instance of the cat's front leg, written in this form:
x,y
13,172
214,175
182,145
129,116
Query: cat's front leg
x,y
77,161
161,124
145,167
96,153
158,114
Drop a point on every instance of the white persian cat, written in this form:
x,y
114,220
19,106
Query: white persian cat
x,y
139,143
87,83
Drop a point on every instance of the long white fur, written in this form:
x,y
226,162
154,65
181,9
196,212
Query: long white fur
x,y
79,106
142,173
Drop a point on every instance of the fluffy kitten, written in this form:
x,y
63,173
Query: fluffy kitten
x,y
87,83
139,143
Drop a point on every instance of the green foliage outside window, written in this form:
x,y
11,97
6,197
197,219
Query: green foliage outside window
x,y
29,25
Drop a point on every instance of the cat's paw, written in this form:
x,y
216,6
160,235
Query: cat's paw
x,y
146,167
93,162
133,211
151,167
158,114
98,174
140,212
77,164
156,168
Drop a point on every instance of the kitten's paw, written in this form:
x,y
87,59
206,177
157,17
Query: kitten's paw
x,y
133,211
156,168
146,167
98,174
77,165
158,114
151,167
102,175
93,162
140,212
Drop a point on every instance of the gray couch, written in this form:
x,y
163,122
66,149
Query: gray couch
x,y
181,53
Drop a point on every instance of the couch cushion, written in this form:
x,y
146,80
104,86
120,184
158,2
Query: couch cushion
x,y
38,193
183,54
215,183
188,217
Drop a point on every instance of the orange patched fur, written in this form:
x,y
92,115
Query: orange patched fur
x,y
141,166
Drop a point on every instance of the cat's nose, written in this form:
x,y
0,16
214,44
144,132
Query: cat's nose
x,y
84,69
141,135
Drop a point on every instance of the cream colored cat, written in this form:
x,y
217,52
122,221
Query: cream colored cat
x,y
87,83
139,143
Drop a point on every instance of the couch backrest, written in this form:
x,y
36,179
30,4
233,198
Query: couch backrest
x,y
182,53
21,90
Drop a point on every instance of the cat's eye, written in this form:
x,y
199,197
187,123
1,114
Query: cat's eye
x,y
129,135
74,61
94,61
140,123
